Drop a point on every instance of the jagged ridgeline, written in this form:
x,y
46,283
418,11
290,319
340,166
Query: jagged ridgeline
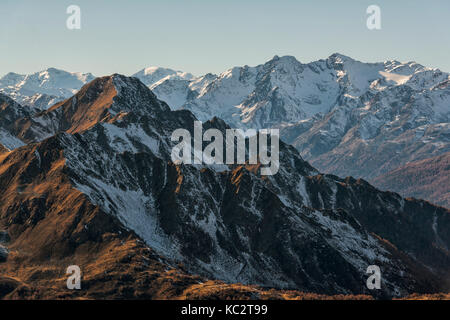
x,y
346,117
94,185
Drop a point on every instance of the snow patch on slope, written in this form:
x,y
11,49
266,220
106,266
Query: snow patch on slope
x,y
395,78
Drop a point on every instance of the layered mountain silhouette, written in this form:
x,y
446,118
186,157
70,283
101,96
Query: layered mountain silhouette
x,y
45,88
344,116
93,185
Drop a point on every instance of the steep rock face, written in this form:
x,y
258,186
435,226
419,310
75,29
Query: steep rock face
x,y
177,92
95,102
280,91
296,229
47,225
285,91
426,179
10,113
41,101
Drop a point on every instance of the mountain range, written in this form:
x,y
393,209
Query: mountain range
x,y
345,117
45,88
90,182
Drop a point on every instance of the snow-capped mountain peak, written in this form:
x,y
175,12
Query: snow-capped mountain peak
x,y
11,79
52,85
152,76
54,81
336,111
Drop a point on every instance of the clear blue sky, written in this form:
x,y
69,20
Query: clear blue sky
x,y
202,36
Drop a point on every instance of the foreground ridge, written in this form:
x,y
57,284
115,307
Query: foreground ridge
x,y
95,187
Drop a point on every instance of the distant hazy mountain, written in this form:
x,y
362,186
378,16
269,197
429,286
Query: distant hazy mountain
x,y
153,76
45,88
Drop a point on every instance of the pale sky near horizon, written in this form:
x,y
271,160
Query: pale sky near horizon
x,y
201,36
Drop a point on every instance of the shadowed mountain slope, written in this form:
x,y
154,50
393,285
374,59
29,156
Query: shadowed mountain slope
x,y
103,176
